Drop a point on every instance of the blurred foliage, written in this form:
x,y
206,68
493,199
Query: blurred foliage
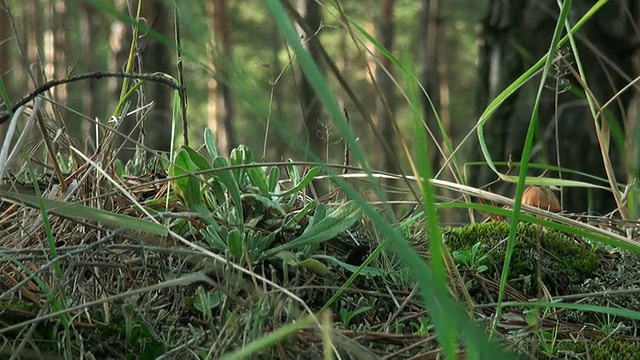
x,y
259,59
262,65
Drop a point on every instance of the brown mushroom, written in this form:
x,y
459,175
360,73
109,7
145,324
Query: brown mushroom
x,y
542,198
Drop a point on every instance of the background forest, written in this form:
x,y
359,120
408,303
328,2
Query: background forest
x,y
244,84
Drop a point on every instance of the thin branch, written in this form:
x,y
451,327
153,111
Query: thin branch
x,y
157,77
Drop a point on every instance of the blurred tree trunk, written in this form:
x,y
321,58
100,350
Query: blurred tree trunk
x,y
48,48
60,48
6,39
508,49
89,97
280,147
157,57
384,72
311,106
152,56
25,66
119,44
220,105
5,63
633,139
429,53
33,29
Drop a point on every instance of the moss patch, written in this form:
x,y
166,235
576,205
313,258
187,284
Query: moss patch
x,y
610,349
563,261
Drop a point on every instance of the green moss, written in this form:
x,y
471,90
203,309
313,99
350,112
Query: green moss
x,y
610,349
563,261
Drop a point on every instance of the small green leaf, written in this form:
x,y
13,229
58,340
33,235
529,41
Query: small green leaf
x,y
248,154
228,180
267,203
274,177
180,226
311,205
200,161
315,266
292,172
334,224
119,168
258,179
213,239
302,184
235,242
237,159
216,188
287,257
362,270
187,187
254,220
260,242
166,163
209,301
318,216
209,199
210,143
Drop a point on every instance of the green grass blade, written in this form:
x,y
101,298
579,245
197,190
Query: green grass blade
x,y
78,211
526,152
519,82
443,308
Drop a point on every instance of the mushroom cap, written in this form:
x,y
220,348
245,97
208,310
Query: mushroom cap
x,y
542,198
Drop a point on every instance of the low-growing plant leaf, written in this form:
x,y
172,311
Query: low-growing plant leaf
x,y
266,202
254,220
118,168
210,234
302,213
229,181
234,241
292,172
179,226
287,257
332,225
256,242
210,143
273,178
78,211
318,216
315,266
366,270
259,179
303,183
248,154
186,187
209,301
237,159
209,199
200,161
217,191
